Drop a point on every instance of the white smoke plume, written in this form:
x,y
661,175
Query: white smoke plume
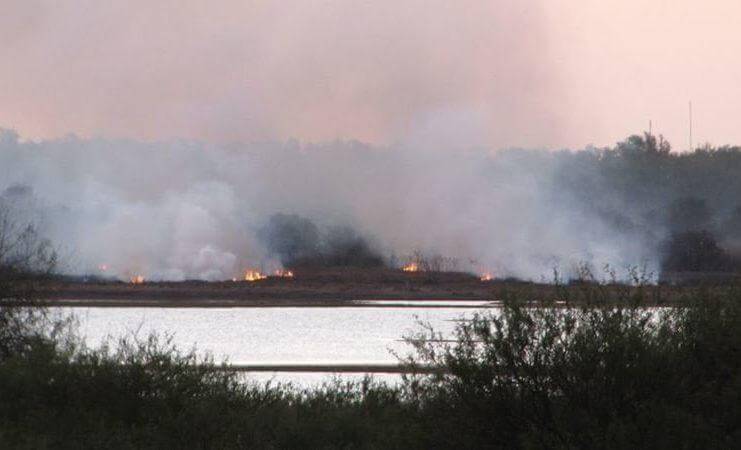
x,y
184,210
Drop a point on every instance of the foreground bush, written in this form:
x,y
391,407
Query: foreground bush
x,y
149,395
536,376
589,376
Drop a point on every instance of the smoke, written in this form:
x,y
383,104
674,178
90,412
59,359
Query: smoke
x,y
433,84
263,70
183,210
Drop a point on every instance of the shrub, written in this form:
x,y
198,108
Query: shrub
x,y
587,376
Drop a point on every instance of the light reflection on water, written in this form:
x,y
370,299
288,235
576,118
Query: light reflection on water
x,y
307,335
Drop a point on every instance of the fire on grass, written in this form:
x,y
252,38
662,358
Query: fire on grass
x,y
254,275
257,275
250,275
411,267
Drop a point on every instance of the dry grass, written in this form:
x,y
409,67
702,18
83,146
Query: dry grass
x,y
332,287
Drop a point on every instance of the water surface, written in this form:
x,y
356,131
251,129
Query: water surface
x,y
291,335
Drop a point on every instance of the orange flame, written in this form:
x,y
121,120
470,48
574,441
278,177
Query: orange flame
x,y
486,277
411,267
137,279
253,275
283,273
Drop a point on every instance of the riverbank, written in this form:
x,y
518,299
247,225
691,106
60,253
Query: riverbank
x,y
335,288
266,303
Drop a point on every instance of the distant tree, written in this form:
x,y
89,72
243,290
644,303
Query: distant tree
x,y
689,214
647,143
343,246
25,256
694,251
291,237
732,224
24,253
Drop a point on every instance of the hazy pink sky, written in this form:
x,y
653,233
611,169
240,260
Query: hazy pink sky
x,y
550,73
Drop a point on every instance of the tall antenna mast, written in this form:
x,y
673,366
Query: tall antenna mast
x,y
690,125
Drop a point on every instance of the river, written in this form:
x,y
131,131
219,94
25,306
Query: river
x,y
368,333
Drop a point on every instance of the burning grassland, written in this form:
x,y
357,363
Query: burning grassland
x,y
318,287
283,273
411,267
254,275
257,275
521,213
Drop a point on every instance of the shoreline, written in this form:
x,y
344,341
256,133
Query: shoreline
x,y
347,288
275,303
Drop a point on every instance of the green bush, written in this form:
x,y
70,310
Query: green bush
x,y
589,376
587,373
149,395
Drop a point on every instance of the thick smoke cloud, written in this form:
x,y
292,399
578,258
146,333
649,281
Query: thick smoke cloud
x,y
180,210
177,210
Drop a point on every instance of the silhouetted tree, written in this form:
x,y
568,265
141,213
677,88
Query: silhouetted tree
x,y
689,214
297,241
694,251
343,246
25,256
291,237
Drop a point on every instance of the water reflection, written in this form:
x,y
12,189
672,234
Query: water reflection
x,y
277,335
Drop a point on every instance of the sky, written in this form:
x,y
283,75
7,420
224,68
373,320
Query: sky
x,y
496,73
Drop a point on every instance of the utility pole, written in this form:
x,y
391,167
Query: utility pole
x,y
690,125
